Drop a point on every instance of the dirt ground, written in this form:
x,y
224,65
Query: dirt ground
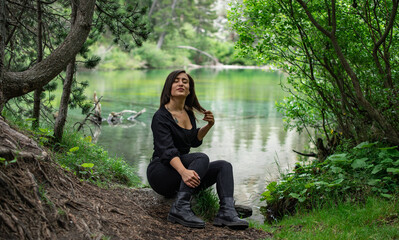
x,y
40,200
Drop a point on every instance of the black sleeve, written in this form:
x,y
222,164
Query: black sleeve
x,y
195,142
163,142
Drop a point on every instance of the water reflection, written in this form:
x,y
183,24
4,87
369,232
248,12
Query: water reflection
x,y
248,130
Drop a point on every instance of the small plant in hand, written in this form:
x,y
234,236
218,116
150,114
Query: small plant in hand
x,y
367,169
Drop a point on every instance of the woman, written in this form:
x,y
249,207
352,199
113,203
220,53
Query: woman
x,y
174,170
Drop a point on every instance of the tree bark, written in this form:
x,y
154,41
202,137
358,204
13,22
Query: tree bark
x,y
19,83
63,110
160,40
38,91
154,3
2,49
66,93
163,34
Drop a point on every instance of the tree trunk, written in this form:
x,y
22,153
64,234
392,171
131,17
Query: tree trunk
x,y
66,93
154,3
163,34
63,110
38,91
2,49
160,40
19,83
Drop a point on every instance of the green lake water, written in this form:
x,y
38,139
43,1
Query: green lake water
x,y
248,131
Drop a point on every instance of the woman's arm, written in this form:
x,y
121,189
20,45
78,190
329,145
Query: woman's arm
x,y
204,130
190,177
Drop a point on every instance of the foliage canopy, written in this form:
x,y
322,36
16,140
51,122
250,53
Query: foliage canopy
x,y
341,57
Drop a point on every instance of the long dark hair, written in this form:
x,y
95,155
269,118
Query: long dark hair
x,y
191,100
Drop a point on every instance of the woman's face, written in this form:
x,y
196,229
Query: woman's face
x,y
180,86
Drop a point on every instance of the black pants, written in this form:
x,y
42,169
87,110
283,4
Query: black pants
x,y
165,180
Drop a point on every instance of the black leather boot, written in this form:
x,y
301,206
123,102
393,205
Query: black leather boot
x,y
228,216
181,212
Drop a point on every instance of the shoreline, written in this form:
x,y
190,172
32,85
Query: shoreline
x,y
189,66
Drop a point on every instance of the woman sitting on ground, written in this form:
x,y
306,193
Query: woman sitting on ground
x,y
173,170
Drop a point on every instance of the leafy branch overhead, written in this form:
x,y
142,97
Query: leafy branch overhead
x,y
341,60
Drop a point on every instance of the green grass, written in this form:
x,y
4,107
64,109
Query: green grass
x,y
90,161
206,204
377,218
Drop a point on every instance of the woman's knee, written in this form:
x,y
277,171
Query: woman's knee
x,y
203,158
224,164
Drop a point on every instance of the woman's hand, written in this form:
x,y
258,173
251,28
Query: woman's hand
x,y
190,178
209,118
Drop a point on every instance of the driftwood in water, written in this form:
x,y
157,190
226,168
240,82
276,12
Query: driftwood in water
x,y
116,118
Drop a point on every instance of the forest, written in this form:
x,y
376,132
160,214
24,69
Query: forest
x,y
339,59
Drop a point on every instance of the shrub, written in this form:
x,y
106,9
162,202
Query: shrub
x,y
368,169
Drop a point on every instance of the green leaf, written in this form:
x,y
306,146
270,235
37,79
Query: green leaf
x,y
44,130
30,119
386,195
388,148
272,186
338,158
373,182
387,160
336,169
377,168
266,196
2,159
294,195
309,185
365,145
88,139
393,152
301,199
359,163
320,183
338,181
393,170
87,165
74,149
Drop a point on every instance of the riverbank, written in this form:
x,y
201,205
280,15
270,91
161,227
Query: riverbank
x,y
55,199
42,199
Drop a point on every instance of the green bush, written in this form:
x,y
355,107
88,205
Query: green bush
x,y
116,59
153,57
368,169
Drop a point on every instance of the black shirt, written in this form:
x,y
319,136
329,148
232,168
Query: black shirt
x,y
171,140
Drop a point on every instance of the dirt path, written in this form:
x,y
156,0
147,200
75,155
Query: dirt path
x,y
40,200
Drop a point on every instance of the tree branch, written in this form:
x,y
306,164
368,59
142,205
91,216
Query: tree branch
x,y
313,20
19,83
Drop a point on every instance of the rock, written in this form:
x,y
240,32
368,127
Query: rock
x,y
243,211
